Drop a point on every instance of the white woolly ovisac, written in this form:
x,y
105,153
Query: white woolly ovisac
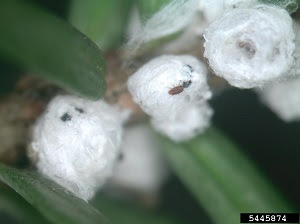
x,y
151,84
142,168
251,47
283,99
190,17
207,11
77,142
191,122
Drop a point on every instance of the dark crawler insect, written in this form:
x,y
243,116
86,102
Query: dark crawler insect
x,y
79,110
186,84
176,90
66,117
121,156
190,67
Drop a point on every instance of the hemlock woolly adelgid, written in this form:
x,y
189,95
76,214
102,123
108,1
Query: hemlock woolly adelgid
x,y
193,120
151,86
186,18
251,47
142,169
283,99
206,12
76,143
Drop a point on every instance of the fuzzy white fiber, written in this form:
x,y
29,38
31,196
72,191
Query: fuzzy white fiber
x,y
191,122
188,17
283,99
214,9
296,68
207,11
251,47
211,9
172,18
235,4
77,142
151,84
142,169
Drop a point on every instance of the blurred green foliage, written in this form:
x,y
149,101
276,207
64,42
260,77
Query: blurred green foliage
x,y
101,20
148,8
130,213
221,178
53,201
50,48
21,211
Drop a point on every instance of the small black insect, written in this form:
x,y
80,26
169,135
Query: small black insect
x,y
186,84
79,110
190,67
121,156
66,117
